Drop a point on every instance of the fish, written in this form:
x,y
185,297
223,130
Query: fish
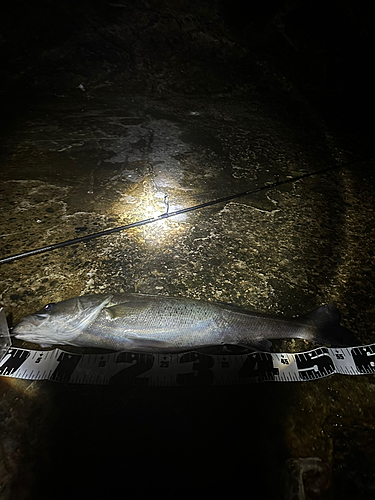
x,y
137,322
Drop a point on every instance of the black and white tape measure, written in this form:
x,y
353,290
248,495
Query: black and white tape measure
x,y
190,368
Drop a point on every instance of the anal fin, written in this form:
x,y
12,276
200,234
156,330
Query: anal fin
x,y
258,344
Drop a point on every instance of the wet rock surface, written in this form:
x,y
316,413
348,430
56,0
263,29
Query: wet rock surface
x,y
99,150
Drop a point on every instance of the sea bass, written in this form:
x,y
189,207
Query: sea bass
x,y
155,323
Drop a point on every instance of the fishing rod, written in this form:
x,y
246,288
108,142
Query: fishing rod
x,y
168,214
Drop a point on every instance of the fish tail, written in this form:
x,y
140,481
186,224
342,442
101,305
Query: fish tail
x,y
327,318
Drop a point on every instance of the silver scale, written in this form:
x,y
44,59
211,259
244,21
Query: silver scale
x,y
185,369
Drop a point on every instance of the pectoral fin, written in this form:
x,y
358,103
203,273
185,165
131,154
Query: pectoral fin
x,y
131,308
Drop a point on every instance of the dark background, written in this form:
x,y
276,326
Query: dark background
x,y
320,49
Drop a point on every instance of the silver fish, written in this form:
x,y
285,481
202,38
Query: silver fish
x,y
155,323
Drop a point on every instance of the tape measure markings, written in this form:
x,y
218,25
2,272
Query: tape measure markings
x,y
190,368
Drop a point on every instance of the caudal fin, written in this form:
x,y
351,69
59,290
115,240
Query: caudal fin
x,y
327,320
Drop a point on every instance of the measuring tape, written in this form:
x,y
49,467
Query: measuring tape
x,y
191,368
185,369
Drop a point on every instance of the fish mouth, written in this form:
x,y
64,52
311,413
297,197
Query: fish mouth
x,y
28,325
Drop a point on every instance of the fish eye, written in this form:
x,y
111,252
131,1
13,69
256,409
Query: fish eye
x,y
48,307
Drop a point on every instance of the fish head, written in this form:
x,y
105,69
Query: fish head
x,y
59,323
